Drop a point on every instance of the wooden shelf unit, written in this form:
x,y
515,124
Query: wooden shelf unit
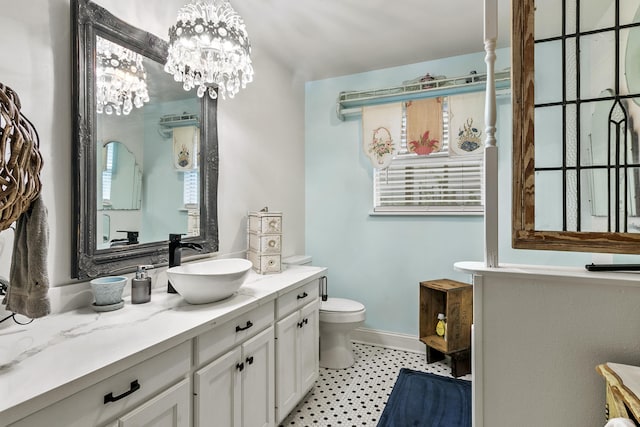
x,y
455,300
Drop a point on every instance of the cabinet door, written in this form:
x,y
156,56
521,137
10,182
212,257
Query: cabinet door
x,y
308,345
217,391
170,408
287,366
258,380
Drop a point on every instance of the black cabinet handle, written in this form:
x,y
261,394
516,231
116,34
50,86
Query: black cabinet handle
x,y
303,296
240,366
134,386
240,328
249,360
303,322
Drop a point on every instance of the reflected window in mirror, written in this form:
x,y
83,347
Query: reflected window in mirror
x,y
576,123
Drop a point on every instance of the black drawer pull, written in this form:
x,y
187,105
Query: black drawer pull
x,y
240,328
135,386
303,296
240,366
303,322
249,360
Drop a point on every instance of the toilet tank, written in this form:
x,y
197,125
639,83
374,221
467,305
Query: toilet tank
x,y
297,260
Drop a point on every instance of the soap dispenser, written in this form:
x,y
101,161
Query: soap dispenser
x,y
141,285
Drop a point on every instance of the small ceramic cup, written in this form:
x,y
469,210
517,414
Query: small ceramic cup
x,y
108,290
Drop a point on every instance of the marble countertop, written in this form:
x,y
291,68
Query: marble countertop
x,y
61,354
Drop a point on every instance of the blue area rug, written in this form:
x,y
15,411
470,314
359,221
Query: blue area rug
x,y
427,400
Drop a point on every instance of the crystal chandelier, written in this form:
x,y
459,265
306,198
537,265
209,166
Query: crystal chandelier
x,y
209,47
121,81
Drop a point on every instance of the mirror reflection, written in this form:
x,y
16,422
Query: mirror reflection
x,y
587,115
119,179
152,188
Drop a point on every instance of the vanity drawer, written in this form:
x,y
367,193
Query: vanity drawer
x,y
265,243
265,223
221,338
296,298
88,407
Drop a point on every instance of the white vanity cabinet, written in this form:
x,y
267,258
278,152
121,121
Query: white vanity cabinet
x,y
297,351
237,388
155,392
170,408
243,362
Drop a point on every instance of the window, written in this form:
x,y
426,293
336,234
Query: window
x,y
437,184
107,173
190,196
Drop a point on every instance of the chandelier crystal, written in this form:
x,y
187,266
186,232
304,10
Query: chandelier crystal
x,y
121,81
209,47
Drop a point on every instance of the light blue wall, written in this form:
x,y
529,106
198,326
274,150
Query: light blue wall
x,y
380,260
162,213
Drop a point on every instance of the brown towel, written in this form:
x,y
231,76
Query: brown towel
x,y
28,278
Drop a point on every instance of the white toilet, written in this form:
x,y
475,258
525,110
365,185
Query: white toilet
x,y
338,317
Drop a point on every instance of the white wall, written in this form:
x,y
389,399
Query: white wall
x,y
261,131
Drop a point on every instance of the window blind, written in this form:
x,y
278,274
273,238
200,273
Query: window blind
x,y
107,173
433,184
190,196
430,186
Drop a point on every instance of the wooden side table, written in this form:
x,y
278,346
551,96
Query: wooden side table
x,y
622,390
455,300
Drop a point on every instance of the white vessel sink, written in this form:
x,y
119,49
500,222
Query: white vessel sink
x,y
209,281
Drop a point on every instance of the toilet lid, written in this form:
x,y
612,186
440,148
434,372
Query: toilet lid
x,y
340,305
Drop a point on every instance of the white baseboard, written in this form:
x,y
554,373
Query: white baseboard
x,y
389,340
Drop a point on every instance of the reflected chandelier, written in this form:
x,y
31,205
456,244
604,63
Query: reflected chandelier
x,y
121,81
209,47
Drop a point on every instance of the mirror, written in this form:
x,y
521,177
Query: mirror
x,y
145,164
576,118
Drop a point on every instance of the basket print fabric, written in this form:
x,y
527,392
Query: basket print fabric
x,y
381,127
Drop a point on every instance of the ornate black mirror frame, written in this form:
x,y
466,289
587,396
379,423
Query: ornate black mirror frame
x,y
524,232
89,20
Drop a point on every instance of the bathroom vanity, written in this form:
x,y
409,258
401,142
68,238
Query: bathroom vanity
x,y
244,361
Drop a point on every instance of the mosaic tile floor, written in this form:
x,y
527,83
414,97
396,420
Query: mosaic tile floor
x,y
356,396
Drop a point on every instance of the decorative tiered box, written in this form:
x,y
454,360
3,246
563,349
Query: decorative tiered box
x,y
264,241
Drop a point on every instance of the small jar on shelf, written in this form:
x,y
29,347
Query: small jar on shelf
x,y
441,326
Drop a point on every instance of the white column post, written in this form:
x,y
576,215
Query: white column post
x,y
490,149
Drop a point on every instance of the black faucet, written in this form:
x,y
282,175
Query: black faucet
x,y
175,253
132,239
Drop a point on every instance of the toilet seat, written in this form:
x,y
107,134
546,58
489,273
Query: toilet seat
x,y
340,305
341,310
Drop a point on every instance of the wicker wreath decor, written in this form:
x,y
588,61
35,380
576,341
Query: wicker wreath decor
x,y
20,159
